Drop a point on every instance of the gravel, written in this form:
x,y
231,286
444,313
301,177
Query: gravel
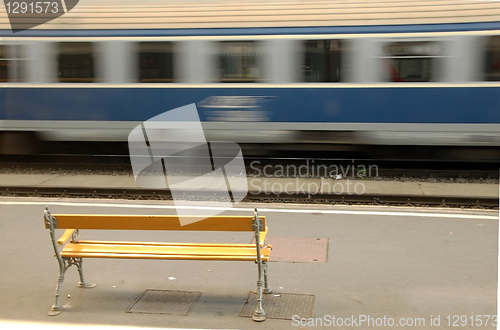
x,y
69,172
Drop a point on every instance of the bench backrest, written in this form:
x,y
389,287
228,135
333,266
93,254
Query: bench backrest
x,y
154,222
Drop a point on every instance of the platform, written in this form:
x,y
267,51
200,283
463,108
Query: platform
x,y
272,185
400,263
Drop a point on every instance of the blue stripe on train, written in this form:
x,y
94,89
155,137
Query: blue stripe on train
x,y
356,105
368,29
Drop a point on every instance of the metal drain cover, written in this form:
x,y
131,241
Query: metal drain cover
x,y
298,249
164,302
280,305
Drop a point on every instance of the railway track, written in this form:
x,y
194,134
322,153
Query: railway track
x,y
387,170
317,167
303,198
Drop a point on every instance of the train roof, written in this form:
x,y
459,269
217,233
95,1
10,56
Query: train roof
x,y
206,14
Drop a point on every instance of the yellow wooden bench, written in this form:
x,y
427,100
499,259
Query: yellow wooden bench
x,y
73,252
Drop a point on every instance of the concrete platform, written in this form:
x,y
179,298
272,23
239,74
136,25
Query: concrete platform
x,y
388,262
271,185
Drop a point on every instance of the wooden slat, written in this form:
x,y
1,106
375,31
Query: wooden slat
x,y
66,236
161,256
161,252
262,236
155,249
269,246
154,222
165,244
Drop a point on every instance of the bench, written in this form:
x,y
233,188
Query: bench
x,y
72,252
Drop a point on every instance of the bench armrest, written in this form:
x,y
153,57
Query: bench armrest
x,y
66,236
262,237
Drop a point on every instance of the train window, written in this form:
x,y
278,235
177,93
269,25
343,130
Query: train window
x,y
155,62
13,64
240,62
76,62
409,61
492,69
323,61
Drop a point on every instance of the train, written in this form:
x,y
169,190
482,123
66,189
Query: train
x,y
373,73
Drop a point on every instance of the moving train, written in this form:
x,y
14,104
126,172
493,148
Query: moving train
x,y
367,72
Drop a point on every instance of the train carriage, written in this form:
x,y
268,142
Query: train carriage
x,y
361,72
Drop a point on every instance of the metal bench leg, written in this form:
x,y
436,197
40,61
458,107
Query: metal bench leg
x,y
57,307
259,315
78,263
64,264
267,288
82,283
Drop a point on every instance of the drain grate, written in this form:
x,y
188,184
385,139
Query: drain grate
x,y
298,249
164,302
280,305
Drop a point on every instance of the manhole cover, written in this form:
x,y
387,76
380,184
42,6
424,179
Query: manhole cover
x,y
280,305
298,249
164,302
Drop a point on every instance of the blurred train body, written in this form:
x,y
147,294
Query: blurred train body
x,y
323,72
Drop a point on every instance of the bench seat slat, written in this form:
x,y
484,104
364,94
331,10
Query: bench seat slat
x,y
167,250
164,256
170,244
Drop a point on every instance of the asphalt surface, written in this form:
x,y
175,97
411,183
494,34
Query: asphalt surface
x,y
399,263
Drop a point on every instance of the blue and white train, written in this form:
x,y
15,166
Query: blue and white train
x,y
366,72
